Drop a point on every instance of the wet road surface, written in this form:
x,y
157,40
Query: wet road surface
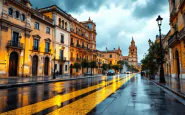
x,y
45,98
139,97
113,95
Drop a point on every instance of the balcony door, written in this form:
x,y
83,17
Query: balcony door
x,y
13,64
61,54
34,65
46,66
15,39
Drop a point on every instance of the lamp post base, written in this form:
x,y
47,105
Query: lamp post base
x,y
162,79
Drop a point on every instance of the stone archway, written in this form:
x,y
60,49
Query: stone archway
x,y
13,64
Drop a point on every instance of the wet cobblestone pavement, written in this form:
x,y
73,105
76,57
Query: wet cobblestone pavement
x,y
140,97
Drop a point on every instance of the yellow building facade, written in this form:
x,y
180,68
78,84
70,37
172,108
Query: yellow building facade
x,y
82,43
20,27
112,56
177,37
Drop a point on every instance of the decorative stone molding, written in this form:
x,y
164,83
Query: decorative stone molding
x,y
27,34
36,36
47,40
4,27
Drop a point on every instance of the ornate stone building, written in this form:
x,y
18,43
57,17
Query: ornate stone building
x,y
132,56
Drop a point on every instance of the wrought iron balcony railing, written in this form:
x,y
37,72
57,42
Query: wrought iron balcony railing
x,y
15,44
173,39
62,59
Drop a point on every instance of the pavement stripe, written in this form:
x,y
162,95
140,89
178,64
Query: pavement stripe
x,y
86,104
57,100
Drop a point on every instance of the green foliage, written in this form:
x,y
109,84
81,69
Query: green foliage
x,y
151,62
105,66
76,65
85,63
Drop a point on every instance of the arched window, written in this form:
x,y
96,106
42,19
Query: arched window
x,y
23,17
62,23
59,21
66,25
10,11
16,14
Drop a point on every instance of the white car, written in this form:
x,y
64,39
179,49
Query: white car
x,y
128,72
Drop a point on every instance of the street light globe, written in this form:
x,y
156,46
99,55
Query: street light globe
x,y
60,47
159,20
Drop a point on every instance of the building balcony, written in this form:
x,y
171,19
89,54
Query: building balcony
x,y
36,49
72,44
78,45
173,40
15,45
62,59
173,14
182,3
72,59
47,51
78,59
182,34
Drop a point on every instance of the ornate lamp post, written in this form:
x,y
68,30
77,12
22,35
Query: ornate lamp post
x,y
162,79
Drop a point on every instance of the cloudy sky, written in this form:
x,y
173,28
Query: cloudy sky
x,y
118,20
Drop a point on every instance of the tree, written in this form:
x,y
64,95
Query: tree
x,y
76,66
85,64
93,65
151,62
105,66
116,67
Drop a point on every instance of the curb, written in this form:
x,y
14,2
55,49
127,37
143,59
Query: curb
x,y
171,90
41,82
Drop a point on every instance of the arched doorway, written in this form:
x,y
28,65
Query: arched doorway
x,y
34,65
46,65
177,63
13,64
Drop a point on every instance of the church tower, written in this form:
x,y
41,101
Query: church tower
x,y
132,56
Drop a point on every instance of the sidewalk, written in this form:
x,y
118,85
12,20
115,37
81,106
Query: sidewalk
x,y
175,85
23,81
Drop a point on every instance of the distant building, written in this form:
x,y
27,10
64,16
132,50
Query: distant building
x,y
132,56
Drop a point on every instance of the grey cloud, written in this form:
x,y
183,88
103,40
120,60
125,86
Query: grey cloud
x,y
151,8
75,6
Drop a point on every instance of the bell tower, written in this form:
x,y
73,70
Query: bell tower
x,y
132,56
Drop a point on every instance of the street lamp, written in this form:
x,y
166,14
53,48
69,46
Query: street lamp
x,y
162,79
54,75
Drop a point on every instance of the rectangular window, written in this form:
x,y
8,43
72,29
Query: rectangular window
x,y
36,25
62,39
36,44
110,62
47,47
61,54
15,37
110,55
65,67
47,30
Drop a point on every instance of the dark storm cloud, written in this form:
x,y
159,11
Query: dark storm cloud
x,y
75,6
151,8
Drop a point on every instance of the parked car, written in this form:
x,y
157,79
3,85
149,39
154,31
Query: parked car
x,y
128,72
111,72
87,74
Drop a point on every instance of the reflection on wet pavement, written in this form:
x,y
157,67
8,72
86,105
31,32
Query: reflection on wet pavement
x,y
140,97
35,99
